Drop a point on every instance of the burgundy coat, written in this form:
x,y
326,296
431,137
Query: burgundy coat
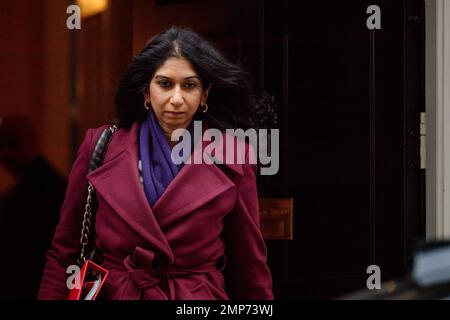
x,y
201,239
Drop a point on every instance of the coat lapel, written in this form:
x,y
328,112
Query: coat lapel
x,y
192,187
195,185
117,181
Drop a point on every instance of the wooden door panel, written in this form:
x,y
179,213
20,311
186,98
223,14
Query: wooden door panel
x,y
352,167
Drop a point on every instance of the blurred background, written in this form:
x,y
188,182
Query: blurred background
x,y
363,118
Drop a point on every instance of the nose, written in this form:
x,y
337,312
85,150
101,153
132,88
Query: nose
x,y
177,98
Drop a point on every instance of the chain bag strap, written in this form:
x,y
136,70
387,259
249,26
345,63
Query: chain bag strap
x,y
89,216
91,275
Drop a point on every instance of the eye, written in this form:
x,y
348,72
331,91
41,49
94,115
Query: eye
x,y
190,84
164,83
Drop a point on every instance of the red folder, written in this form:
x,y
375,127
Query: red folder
x,y
92,278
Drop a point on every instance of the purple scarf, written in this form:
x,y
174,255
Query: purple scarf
x,y
158,170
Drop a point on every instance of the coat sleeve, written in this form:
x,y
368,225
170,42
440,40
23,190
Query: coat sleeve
x,y
247,275
66,247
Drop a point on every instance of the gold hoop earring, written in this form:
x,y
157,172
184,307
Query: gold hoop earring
x,y
146,105
206,107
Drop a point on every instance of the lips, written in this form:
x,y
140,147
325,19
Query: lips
x,y
173,114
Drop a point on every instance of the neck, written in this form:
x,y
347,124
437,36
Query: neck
x,y
168,133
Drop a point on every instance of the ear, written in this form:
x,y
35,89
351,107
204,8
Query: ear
x,y
205,93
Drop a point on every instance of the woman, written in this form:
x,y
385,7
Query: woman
x,y
168,231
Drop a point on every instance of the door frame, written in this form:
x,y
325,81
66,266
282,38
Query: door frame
x,y
437,101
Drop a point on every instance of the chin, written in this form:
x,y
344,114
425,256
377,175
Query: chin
x,y
176,122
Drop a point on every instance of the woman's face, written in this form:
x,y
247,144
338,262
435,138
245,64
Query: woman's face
x,y
175,93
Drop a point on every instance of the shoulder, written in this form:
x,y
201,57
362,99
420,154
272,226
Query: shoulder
x,y
122,135
90,137
239,152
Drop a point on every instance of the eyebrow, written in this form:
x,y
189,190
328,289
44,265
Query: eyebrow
x,y
165,77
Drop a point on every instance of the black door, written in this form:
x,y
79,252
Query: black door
x,y
349,102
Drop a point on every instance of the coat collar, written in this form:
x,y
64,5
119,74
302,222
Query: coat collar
x,y
118,183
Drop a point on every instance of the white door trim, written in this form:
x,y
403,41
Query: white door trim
x,y
437,95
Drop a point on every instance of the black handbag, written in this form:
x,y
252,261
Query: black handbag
x,y
91,275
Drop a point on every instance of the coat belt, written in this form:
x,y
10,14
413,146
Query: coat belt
x,y
148,281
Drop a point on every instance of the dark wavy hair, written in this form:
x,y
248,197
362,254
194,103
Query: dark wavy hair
x,y
230,100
